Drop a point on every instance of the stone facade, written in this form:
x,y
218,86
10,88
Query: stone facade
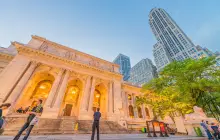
x,y
71,83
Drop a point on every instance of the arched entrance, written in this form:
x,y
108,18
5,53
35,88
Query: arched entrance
x,y
71,101
99,100
139,112
131,111
147,113
38,88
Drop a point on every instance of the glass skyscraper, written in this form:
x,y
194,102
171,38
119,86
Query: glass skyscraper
x,y
161,56
143,72
172,39
125,65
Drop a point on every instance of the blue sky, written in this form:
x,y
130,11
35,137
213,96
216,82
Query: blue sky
x,y
105,28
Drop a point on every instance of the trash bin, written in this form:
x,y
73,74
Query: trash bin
x,y
143,130
198,131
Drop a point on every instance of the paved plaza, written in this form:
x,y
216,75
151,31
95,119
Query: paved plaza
x,y
104,137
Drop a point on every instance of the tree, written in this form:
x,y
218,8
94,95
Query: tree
x,y
191,82
164,100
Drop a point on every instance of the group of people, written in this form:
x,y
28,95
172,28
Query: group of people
x,y
212,130
21,110
34,112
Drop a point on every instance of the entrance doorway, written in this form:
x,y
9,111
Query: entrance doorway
x,y
67,110
100,99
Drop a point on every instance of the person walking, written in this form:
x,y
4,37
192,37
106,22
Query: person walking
x,y
96,116
2,118
205,127
216,132
33,113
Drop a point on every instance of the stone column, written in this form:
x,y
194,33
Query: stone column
x,y
11,75
50,112
91,98
126,105
21,84
86,92
84,113
110,97
143,111
135,108
61,92
117,97
53,90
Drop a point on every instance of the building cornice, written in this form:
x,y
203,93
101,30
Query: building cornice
x,y
71,49
21,48
131,87
6,56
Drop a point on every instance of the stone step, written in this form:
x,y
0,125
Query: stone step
x,y
63,126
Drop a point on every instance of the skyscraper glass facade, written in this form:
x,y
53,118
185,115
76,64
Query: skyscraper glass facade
x,y
173,40
142,72
125,65
161,56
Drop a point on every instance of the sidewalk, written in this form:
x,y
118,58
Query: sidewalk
x,y
104,137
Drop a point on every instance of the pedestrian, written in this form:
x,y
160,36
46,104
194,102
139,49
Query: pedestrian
x,y
205,127
216,132
96,116
2,118
34,112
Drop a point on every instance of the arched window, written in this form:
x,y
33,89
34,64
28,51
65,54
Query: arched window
x,y
139,112
147,112
129,97
131,111
42,90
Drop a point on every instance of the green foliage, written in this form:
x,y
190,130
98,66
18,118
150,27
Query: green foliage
x,y
183,84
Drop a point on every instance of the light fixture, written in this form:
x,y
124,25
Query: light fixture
x,y
42,87
97,95
73,89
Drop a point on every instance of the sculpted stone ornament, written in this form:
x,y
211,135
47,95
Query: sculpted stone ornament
x,y
43,47
70,55
92,63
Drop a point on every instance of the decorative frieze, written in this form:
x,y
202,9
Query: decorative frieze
x,y
77,56
93,64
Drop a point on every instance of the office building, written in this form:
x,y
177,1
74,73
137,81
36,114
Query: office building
x,y
169,34
125,65
161,56
142,72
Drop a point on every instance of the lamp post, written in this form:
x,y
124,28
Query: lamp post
x,y
148,129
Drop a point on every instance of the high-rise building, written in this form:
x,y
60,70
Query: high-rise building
x,y
161,56
174,41
143,72
125,65
201,52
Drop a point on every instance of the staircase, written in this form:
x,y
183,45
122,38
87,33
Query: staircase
x,y
64,125
105,127
67,125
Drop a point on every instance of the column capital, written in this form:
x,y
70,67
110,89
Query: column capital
x,y
35,63
111,82
62,69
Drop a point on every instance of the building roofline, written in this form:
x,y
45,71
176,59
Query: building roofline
x,y
120,54
65,47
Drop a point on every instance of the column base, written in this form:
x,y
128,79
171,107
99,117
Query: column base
x,y
85,115
50,113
